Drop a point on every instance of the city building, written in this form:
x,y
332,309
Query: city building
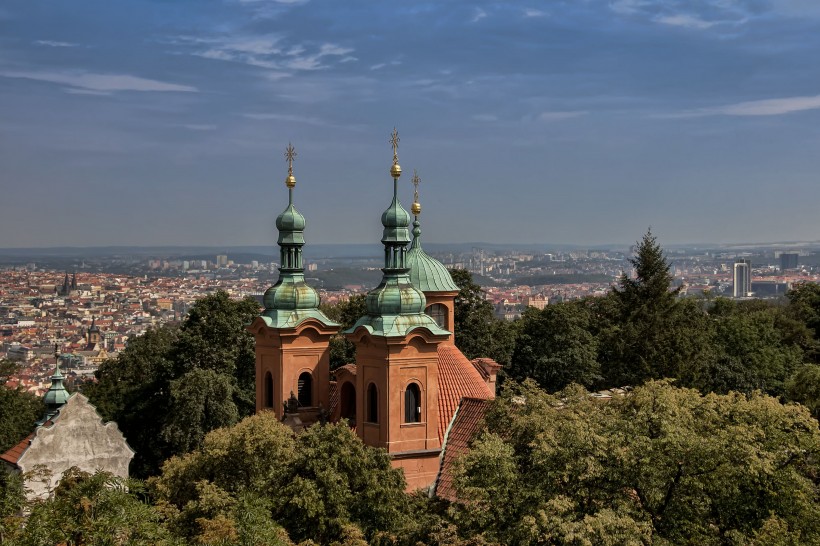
x,y
788,260
404,389
742,278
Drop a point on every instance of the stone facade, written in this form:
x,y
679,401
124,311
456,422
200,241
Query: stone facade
x,y
76,436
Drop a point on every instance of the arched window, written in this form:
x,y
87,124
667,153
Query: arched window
x,y
438,313
268,390
305,386
348,402
412,404
372,404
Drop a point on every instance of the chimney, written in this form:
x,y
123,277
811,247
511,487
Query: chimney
x,y
488,368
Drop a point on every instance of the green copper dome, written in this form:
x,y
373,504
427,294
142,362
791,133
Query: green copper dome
x,y
291,293
57,394
396,221
426,273
291,226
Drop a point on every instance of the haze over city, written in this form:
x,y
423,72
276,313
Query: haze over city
x,y
578,122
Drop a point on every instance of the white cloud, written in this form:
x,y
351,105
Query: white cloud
x,y
765,107
772,107
265,52
199,127
627,6
52,43
104,83
286,2
286,118
558,116
529,12
478,15
685,21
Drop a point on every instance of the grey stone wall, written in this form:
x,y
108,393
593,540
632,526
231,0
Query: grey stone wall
x,y
77,437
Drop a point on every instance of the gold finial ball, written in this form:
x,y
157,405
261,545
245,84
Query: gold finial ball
x,y
395,170
416,209
290,181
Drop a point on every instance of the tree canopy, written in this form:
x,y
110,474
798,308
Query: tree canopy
x,y
662,465
172,385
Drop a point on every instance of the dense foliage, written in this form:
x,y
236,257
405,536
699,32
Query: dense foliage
x,y
173,385
346,313
19,409
663,465
477,332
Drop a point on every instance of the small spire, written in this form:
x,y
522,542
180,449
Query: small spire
x,y
290,156
395,170
416,207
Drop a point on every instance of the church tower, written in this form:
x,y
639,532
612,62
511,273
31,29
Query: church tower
x,y
430,276
397,381
292,334
94,336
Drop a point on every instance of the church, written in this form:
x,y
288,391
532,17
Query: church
x,y
409,383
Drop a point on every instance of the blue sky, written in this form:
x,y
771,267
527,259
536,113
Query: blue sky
x,y
578,121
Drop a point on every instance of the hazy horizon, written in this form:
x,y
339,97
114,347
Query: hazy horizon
x,y
146,123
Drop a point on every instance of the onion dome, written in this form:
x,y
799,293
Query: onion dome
x,y
291,300
291,225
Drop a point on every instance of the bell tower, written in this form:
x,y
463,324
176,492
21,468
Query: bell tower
x,y
292,334
397,382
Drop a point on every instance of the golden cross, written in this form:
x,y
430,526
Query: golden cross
x,y
290,155
394,141
416,181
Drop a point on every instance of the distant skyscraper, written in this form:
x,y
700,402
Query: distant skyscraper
x,y
788,261
222,260
742,279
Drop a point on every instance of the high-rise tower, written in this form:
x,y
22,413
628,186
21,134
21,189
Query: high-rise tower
x,y
742,277
292,334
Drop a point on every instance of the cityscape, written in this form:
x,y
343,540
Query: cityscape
x,y
44,310
356,273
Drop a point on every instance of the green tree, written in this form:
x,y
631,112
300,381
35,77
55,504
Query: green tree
x,y
804,305
661,465
213,337
804,387
321,485
649,333
93,509
170,386
477,332
19,409
346,313
555,347
201,400
134,391
12,501
755,345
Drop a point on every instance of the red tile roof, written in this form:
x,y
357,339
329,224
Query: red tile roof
x,y
14,453
457,378
467,423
